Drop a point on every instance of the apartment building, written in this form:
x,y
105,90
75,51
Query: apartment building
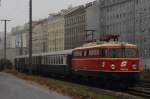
x,y
39,36
82,24
55,36
128,18
75,24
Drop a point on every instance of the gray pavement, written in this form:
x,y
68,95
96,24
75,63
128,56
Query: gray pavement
x,y
14,88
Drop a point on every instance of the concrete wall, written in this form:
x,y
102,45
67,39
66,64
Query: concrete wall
x,y
93,18
146,63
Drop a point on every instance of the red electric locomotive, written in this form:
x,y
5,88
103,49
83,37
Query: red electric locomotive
x,y
108,62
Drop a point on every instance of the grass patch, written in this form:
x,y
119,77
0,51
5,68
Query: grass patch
x,y
73,90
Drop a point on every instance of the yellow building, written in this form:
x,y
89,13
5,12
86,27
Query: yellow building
x,y
55,32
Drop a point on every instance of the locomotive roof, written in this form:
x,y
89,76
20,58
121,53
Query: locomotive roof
x,y
49,53
106,44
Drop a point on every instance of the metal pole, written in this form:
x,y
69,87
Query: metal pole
x,y
5,43
21,45
134,22
55,41
5,31
30,36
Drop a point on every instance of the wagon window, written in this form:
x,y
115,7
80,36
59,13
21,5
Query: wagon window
x,y
42,59
27,60
35,59
64,60
49,58
78,53
58,59
45,59
32,60
52,60
61,60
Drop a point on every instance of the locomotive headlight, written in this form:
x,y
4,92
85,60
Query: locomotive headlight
x,y
113,67
134,66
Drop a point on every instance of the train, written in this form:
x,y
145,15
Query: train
x,y
108,63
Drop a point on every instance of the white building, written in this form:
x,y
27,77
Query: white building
x,y
11,41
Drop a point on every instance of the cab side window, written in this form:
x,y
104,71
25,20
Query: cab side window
x,y
102,53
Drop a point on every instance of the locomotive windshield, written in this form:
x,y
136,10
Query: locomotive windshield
x,y
115,53
130,53
122,53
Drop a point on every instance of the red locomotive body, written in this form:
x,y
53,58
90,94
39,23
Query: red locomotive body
x,y
112,60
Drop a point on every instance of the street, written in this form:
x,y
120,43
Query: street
x,y
14,88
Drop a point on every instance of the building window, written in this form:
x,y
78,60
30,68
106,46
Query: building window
x,y
117,16
137,1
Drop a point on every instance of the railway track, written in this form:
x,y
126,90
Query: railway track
x,y
142,89
139,92
145,84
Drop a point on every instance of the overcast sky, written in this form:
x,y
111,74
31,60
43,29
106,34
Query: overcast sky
x,y
17,10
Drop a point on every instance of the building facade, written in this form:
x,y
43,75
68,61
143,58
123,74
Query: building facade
x,y
75,26
92,21
128,18
11,41
39,36
55,36
19,36
118,17
82,24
